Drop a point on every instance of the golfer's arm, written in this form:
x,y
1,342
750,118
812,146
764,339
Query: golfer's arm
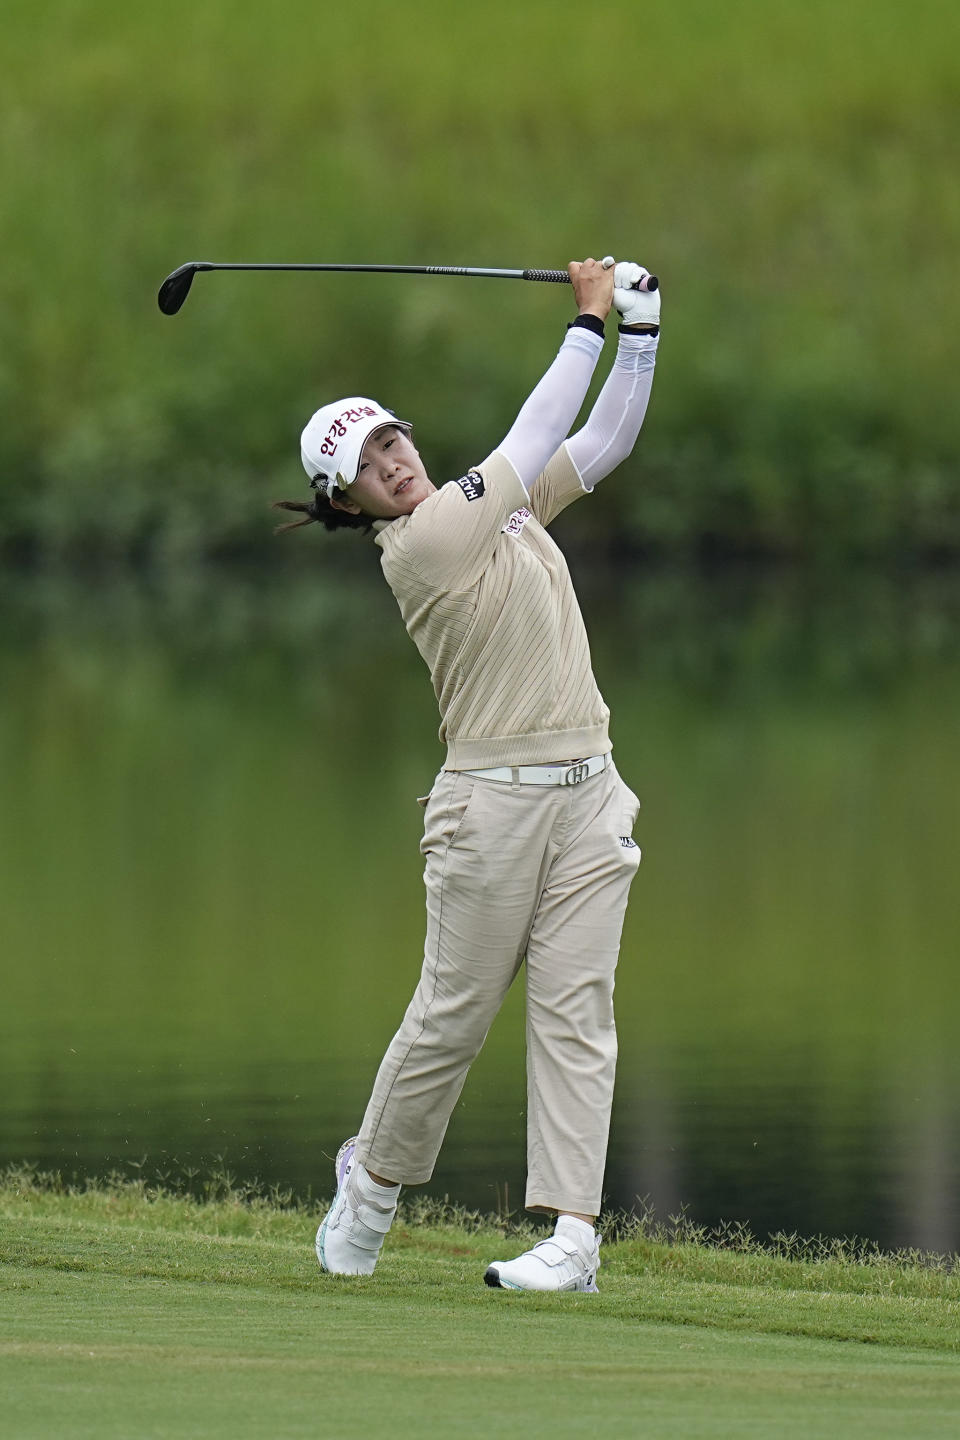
x,y
615,420
546,416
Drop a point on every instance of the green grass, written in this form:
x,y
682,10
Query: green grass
x,y
789,170
131,1311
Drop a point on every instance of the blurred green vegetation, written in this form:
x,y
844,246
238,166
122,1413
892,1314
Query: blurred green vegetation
x,y
790,171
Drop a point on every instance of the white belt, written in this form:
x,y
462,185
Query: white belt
x,y
571,772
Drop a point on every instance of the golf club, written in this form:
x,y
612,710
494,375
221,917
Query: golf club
x,y
176,287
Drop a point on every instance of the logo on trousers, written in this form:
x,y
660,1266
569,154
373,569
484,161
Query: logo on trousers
x,y
575,773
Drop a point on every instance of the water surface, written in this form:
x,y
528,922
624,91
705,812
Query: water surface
x,y
210,886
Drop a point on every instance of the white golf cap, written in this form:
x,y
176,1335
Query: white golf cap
x,y
333,438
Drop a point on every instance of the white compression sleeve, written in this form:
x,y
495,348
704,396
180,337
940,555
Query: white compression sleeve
x,y
546,416
614,422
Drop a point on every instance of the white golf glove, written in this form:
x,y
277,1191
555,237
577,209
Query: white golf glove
x,y
636,307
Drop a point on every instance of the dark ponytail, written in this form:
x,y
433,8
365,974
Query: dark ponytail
x,y
320,510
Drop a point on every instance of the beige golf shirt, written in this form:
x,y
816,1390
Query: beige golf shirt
x,y
487,598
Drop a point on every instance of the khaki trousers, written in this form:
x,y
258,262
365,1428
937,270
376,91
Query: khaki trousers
x,y
514,872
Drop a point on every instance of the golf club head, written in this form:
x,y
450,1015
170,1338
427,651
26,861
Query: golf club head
x,y
176,287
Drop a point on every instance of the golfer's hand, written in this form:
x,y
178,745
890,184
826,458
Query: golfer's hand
x,y
592,287
636,307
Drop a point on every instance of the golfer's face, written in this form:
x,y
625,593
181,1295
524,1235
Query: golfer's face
x,y
391,480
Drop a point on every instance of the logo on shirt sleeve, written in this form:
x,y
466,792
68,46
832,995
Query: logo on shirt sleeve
x,y
471,484
517,521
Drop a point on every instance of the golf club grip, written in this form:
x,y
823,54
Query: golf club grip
x,y
558,277
648,283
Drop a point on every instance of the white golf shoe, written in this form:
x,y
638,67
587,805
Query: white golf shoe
x,y
344,1161
352,1231
558,1263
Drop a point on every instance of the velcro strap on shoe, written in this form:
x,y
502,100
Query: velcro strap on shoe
x,y
379,1220
555,1250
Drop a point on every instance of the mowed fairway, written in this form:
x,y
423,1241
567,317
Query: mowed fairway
x,y
123,1316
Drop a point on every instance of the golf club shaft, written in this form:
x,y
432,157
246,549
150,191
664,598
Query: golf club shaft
x,y
386,269
174,289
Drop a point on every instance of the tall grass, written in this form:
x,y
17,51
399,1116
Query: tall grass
x,y
789,171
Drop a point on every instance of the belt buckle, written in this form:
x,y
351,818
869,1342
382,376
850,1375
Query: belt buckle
x,y
575,774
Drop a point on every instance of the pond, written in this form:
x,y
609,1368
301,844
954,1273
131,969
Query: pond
x,y
211,896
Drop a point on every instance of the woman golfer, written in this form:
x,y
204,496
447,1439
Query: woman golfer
x,y
527,831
